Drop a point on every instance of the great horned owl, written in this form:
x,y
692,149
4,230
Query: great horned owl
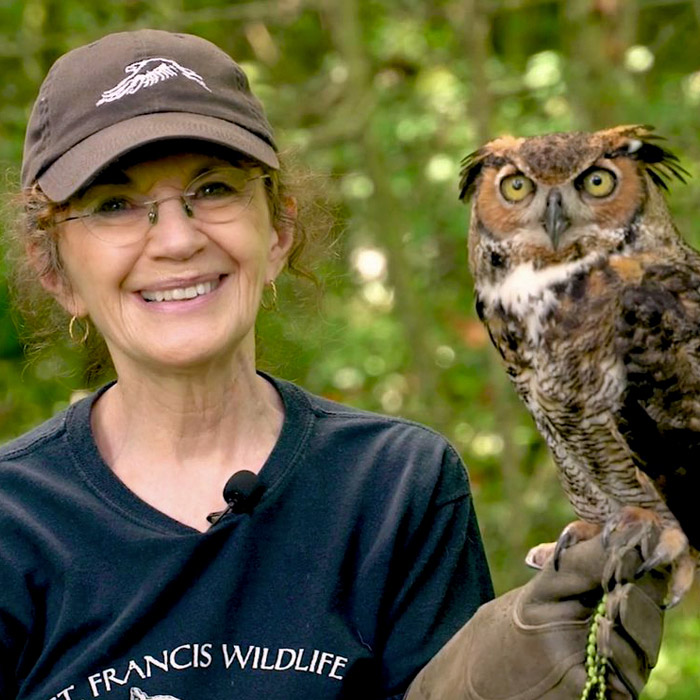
x,y
593,301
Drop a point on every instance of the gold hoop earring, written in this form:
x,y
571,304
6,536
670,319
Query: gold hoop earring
x,y
272,304
71,331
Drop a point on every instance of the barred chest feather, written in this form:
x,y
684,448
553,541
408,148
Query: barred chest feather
x,y
554,328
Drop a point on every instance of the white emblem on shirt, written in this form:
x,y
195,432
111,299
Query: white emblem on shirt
x,y
138,694
139,76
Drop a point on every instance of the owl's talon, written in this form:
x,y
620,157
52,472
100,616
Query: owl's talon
x,y
577,531
682,577
562,544
654,562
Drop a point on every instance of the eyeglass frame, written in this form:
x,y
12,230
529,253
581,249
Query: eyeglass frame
x,y
151,205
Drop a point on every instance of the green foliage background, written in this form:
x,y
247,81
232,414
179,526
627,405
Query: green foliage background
x,y
382,98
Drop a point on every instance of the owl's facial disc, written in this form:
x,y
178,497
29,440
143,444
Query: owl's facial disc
x,y
550,216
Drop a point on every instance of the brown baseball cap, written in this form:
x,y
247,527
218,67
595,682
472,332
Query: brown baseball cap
x,y
129,89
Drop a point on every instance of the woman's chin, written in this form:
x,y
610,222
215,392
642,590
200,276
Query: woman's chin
x,y
199,354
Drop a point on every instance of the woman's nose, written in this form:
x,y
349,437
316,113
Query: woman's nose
x,y
173,232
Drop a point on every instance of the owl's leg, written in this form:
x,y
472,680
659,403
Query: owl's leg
x,y
661,544
576,531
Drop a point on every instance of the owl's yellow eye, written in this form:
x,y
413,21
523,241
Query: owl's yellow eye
x,y
516,187
599,182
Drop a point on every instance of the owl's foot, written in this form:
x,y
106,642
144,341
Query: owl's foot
x,y
576,531
660,544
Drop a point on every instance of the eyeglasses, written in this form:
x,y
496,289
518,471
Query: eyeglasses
x,y
119,216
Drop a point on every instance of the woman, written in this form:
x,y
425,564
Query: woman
x,y
156,217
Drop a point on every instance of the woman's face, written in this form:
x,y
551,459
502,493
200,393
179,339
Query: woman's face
x,y
133,291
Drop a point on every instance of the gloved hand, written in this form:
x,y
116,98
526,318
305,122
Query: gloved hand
x,y
531,642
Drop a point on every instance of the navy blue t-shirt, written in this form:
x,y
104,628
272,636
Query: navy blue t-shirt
x,y
359,561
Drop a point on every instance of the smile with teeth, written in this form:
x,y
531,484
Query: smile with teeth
x,y
180,293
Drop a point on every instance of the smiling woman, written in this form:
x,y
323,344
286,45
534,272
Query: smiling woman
x,y
210,526
33,244
144,247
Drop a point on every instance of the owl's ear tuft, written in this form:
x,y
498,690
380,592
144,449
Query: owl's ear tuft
x,y
471,168
661,164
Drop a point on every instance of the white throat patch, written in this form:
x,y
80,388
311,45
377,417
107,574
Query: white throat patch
x,y
527,293
139,76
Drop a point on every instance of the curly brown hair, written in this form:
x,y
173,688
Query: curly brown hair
x,y
33,253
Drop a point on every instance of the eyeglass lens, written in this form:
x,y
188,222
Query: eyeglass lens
x,y
217,196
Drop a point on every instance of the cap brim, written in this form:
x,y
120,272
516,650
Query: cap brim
x,y
76,168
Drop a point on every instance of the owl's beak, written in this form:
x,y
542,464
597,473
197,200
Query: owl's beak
x,y
555,220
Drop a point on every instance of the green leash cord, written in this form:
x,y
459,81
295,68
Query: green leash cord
x,y
596,663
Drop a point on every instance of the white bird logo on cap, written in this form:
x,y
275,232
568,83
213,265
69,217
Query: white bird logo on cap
x,y
140,77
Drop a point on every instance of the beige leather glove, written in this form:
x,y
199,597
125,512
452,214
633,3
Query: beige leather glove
x,y
531,642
